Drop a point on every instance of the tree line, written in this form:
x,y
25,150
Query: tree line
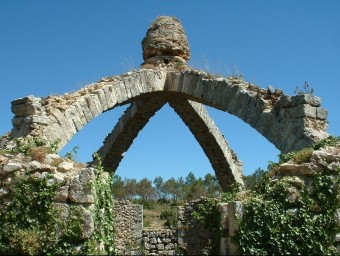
x,y
175,190
181,189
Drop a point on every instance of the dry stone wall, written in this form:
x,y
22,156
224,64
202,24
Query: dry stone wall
x,y
129,227
193,237
160,242
75,194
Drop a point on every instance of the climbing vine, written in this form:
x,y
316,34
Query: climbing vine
x,y
208,214
103,236
292,216
32,223
28,220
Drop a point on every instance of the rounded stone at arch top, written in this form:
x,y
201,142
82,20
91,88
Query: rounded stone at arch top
x,y
165,37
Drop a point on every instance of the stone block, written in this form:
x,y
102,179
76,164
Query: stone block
x,y
305,169
61,194
62,210
81,187
36,119
234,212
86,109
160,247
26,109
79,111
101,96
321,113
12,167
52,159
27,99
111,101
303,110
73,118
94,104
306,99
18,121
65,166
84,215
67,127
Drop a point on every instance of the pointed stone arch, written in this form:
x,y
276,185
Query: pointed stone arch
x,y
227,167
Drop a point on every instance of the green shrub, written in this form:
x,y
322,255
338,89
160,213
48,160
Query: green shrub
x,y
274,225
302,156
170,215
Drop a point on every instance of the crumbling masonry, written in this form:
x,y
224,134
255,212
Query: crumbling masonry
x,y
290,123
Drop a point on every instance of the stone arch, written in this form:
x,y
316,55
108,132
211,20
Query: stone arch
x,y
227,167
290,123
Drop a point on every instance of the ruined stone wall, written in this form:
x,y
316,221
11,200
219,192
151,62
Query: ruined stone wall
x,y
75,192
193,237
160,242
128,227
325,161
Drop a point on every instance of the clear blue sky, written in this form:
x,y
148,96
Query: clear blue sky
x,y
54,47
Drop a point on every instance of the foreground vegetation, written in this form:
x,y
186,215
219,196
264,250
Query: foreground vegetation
x,y
282,216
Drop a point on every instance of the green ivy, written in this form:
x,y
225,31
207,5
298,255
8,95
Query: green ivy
x,y
28,220
25,145
209,215
274,225
103,236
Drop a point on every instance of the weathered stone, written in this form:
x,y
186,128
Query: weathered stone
x,y
3,160
160,247
235,211
52,159
271,89
84,215
27,99
165,37
296,169
26,109
62,210
72,115
61,194
306,99
81,187
65,166
12,167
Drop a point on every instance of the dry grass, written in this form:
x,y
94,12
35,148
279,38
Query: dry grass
x,y
152,217
39,153
303,156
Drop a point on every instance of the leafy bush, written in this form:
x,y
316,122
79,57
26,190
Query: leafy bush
x,y
28,223
209,215
26,242
170,215
25,145
302,156
277,223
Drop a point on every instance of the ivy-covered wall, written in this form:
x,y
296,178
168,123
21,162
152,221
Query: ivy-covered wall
x,y
295,208
52,205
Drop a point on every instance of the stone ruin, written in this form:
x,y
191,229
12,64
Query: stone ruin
x,y
289,122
